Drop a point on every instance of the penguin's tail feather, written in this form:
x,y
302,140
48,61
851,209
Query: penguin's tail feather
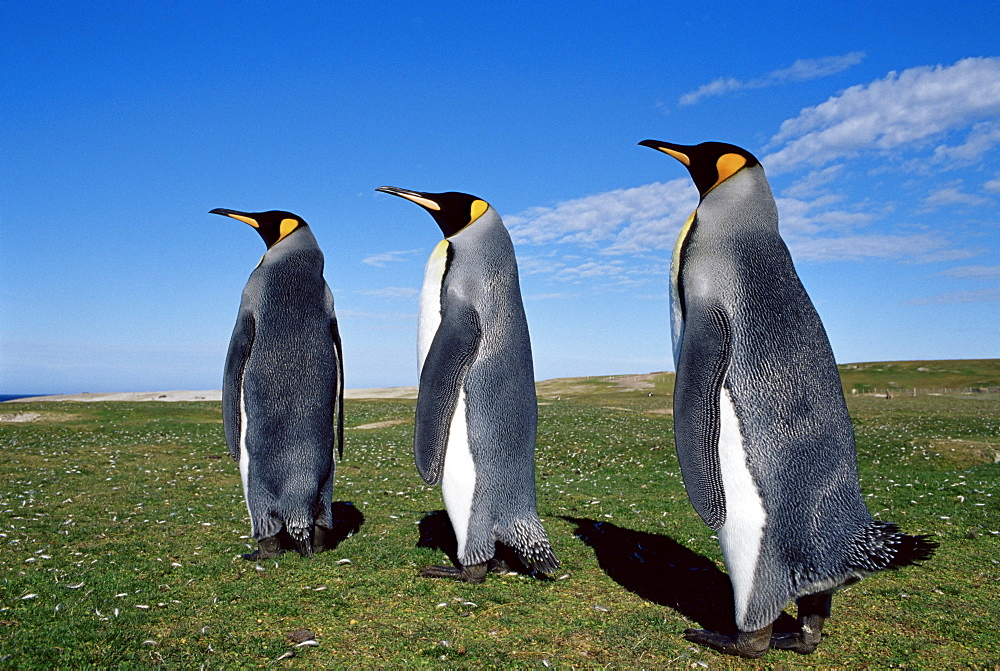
x,y
882,546
527,537
300,530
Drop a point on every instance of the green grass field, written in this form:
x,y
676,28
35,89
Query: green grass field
x,y
122,527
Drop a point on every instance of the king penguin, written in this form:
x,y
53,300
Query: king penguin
x,y
476,411
283,388
764,440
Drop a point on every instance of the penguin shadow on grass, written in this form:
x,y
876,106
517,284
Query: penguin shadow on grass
x,y
657,568
347,521
437,533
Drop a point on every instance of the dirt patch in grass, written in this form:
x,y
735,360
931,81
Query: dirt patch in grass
x,y
632,382
960,453
21,417
380,425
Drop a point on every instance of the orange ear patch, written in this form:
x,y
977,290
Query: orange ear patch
x,y
477,209
287,226
728,165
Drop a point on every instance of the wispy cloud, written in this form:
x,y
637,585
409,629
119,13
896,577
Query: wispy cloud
x,y
554,296
973,272
392,292
363,315
814,183
920,247
983,137
992,185
383,259
620,221
624,237
989,295
951,195
903,110
801,70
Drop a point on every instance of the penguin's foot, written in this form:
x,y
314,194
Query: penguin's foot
x,y
800,642
804,641
267,548
813,611
319,534
473,573
752,644
304,547
497,566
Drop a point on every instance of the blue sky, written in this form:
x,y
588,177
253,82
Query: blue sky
x,y
123,124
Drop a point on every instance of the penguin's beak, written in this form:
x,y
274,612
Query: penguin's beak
x,y
678,151
421,199
240,216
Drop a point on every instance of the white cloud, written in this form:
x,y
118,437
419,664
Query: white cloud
x,y
798,216
555,296
641,224
900,111
993,185
983,137
801,70
814,183
625,220
920,247
973,272
377,316
989,295
385,258
392,292
951,195
591,270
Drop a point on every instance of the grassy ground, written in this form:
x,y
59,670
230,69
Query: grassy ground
x,y
122,526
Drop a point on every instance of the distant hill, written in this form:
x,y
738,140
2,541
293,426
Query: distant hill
x,y
858,378
868,377
950,374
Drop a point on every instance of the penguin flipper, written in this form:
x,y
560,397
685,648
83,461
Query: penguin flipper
x,y
701,370
452,351
338,416
240,346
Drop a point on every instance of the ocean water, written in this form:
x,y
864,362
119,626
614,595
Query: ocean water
x,y
11,397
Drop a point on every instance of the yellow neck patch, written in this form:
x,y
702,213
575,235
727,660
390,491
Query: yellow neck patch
x,y
477,209
727,166
685,230
285,227
441,249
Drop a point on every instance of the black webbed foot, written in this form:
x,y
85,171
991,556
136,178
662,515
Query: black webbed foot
x,y
319,538
751,644
796,642
813,611
497,566
475,573
267,548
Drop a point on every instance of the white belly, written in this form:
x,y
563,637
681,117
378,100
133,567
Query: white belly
x,y
458,482
430,301
244,457
740,536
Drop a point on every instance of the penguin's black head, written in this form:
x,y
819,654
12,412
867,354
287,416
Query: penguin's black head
x,y
710,163
452,211
274,225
